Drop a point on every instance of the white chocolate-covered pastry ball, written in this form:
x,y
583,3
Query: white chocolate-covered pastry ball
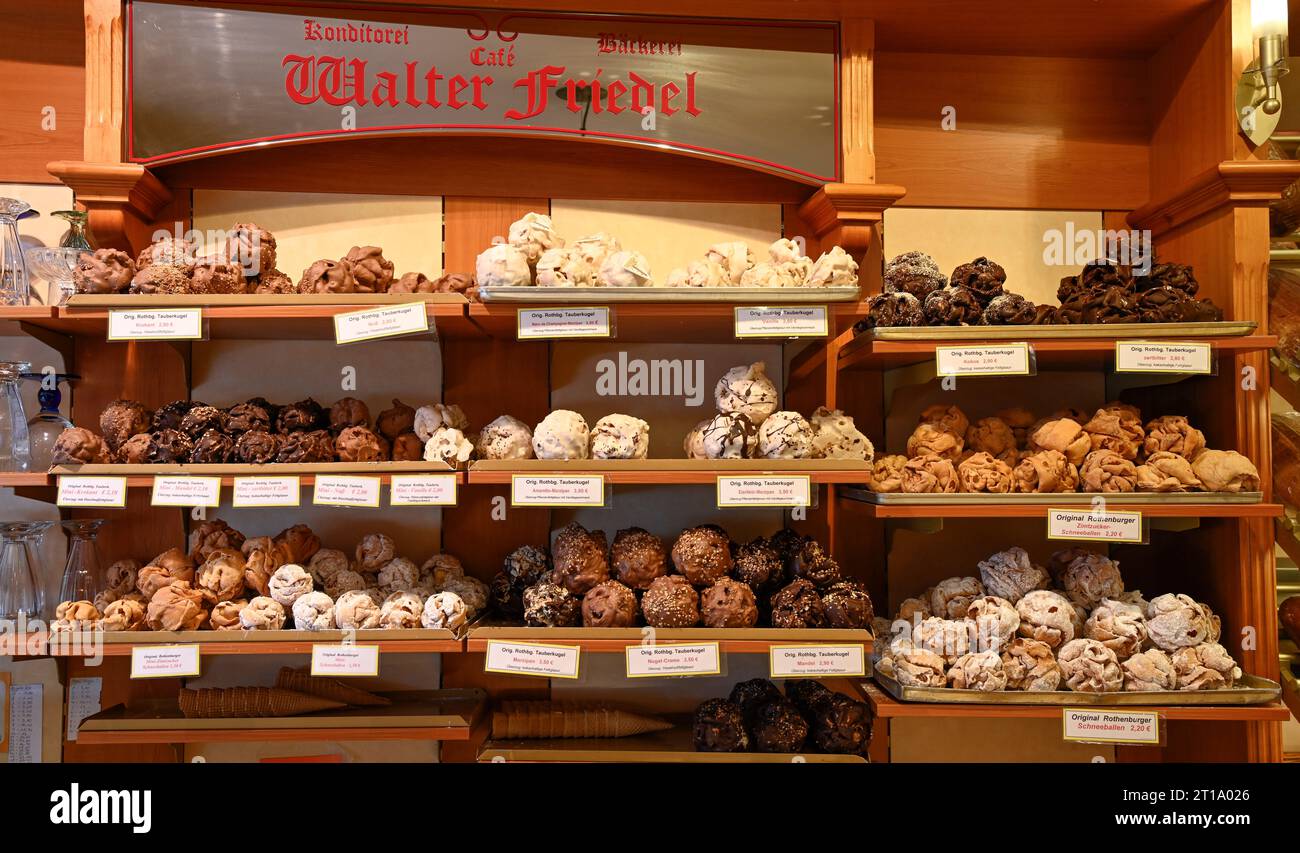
x,y
624,269
729,436
533,234
747,390
505,438
562,434
448,445
564,267
356,609
836,436
313,612
444,610
502,265
785,435
620,437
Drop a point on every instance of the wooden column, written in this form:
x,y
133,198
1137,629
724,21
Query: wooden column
x,y
105,81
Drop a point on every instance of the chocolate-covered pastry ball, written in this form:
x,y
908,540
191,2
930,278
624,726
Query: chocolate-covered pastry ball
x,y
212,447
395,421
728,604
162,278
306,447
787,543
504,598
171,415
326,276
637,557
808,695
135,450
122,419
982,277
609,604
215,275
77,446
812,563
778,727
580,557
1288,614
247,417
1009,309
915,273
251,248
885,310
302,416
257,448
952,306
798,605
200,419
372,271
412,282
169,445
169,250
847,607
348,412
103,271
547,605
1102,274
1177,276
526,566
358,444
671,602
1198,311
702,554
1046,315
457,282
753,694
407,447
273,282
719,726
841,725
758,564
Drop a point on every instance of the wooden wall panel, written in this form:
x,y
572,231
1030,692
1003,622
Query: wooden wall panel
x,y
41,64
469,224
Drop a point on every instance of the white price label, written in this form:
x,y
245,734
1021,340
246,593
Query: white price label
x,y
186,491
537,324
532,659
347,661
77,491
684,659
367,325
164,661
765,491
340,490
156,324
1091,725
794,321
266,491
983,360
1090,526
807,661
543,490
1164,357
422,490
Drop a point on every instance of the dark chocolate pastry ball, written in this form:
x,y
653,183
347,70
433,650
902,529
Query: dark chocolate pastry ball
x,y
548,605
348,412
306,447
609,604
257,448
200,419
169,445
952,306
703,554
671,602
212,447
303,416
719,727
526,566
798,606
170,415
247,417
637,557
754,693
886,310
778,727
504,598
982,277
786,541
1177,276
808,694
841,725
581,558
758,564
812,563
915,273
847,607
1009,309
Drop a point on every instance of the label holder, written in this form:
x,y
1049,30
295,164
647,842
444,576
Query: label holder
x,y
825,322
607,311
1030,357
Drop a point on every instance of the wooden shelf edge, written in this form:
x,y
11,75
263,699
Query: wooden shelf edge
x,y
1251,183
426,733
996,510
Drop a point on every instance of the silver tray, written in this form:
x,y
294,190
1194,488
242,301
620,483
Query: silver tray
x,y
1050,499
1250,690
737,295
1137,331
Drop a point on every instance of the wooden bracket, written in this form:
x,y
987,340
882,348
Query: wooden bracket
x,y
1244,183
123,200
847,215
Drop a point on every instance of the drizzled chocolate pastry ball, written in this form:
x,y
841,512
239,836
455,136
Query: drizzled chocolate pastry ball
x,y
348,412
1009,309
122,419
212,448
1178,277
779,727
671,602
847,606
952,306
609,604
358,444
302,416
171,415
637,557
758,564
326,276
728,604
306,447
103,271
247,417
719,726
169,445
372,271
702,554
812,563
202,418
580,557
886,310
915,273
547,605
982,277
1046,315
798,606
257,448
787,543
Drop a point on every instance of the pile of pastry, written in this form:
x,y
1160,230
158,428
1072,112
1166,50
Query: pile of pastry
x,y
916,293
246,263
258,432
1070,626
1111,450
749,425
808,718
227,582
703,578
533,254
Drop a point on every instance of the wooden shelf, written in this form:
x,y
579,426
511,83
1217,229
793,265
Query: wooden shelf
x,y
121,643
1291,692
887,707
729,640
25,480
142,476
667,471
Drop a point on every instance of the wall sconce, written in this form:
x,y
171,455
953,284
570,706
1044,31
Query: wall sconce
x,y
1259,95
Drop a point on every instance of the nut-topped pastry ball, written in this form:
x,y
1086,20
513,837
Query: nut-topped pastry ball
x,y
752,694
728,604
548,605
702,554
562,434
77,446
637,557
122,419
719,726
609,604
841,725
847,606
671,602
811,562
758,564
580,557
103,271
746,390
778,726
798,605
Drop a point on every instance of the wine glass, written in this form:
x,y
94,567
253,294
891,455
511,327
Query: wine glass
x,y
14,285
55,264
83,577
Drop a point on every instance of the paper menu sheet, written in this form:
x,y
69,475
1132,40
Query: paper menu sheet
x,y
83,700
26,715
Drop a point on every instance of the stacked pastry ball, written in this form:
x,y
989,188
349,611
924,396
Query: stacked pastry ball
x,y
227,582
750,425
756,717
1111,450
1071,626
916,293
787,581
533,254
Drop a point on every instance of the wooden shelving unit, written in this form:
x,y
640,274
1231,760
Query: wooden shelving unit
x,y
142,476
669,471
671,746
122,643
615,640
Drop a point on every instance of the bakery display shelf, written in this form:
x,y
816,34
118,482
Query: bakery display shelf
x,y
80,301
1050,352
284,642
25,479
729,640
670,746
655,322
1155,505
668,471
27,313
143,475
1282,381
448,715
676,295
887,706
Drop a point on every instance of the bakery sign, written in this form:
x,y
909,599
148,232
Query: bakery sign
x,y
203,79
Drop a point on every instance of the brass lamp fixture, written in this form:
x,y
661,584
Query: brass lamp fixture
x,y
1259,94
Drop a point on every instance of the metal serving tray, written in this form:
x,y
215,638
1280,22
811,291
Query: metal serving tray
x,y
1084,499
1250,690
1137,331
